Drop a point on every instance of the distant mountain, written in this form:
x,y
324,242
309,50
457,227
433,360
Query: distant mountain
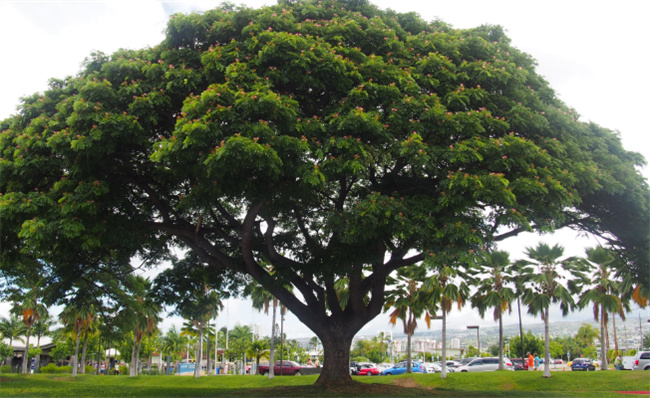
x,y
626,331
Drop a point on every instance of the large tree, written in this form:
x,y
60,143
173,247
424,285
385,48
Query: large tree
x,y
329,139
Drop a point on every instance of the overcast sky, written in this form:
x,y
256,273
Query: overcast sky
x,y
595,54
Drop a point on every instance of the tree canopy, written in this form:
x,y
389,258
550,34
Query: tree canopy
x,y
327,139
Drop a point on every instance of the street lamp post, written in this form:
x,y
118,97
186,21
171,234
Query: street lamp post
x,y
478,337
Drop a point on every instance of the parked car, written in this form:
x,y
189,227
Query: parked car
x,y
485,365
367,369
467,360
430,367
383,366
519,364
582,364
400,368
287,368
642,361
451,365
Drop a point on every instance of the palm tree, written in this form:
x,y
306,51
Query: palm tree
x,y
520,275
31,310
208,331
448,285
408,303
209,305
173,343
258,349
76,317
586,335
42,328
12,328
604,294
547,287
492,292
262,300
89,328
190,334
147,318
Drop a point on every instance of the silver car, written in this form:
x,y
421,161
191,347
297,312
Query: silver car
x,y
641,361
485,365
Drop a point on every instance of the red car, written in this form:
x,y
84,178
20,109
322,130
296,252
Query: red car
x,y
368,369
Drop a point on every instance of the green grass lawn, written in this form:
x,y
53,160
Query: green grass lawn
x,y
489,384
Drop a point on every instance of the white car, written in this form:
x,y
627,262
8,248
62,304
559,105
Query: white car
x,y
451,365
383,366
485,365
431,367
642,361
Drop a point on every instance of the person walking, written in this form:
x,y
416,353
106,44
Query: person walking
x,y
531,362
537,362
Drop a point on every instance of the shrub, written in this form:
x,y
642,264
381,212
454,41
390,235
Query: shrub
x,y
52,368
5,369
152,372
124,370
90,369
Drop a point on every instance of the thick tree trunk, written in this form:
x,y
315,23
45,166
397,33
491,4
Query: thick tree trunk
x,y
547,355
83,354
336,361
76,354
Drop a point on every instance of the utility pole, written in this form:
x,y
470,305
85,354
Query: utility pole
x,y
640,334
